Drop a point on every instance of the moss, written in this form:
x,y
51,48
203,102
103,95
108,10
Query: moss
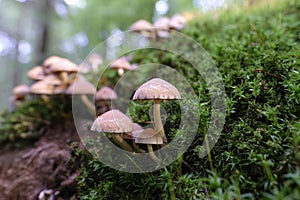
x,y
31,119
257,155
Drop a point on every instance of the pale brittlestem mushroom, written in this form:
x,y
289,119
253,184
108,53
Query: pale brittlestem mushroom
x,y
64,68
36,73
144,28
162,27
157,89
117,123
42,88
102,98
19,93
137,129
177,22
121,64
95,60
149,137
83,88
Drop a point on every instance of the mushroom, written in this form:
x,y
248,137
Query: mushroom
x,y
162,27
43,88
102,96
51,60
95,60
120,65
149,137
36,73
143,27
157,89
177,22
19,93
82,87
63,67
115,122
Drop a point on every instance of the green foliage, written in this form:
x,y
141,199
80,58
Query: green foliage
x,y
257,154
31,119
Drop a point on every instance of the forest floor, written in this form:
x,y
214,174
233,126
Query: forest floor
x,y
43,170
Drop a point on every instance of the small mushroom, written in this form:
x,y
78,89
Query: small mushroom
x,y
103,97
177,22
83,87
115,122
149,137
63,67
157,89
19,93
143,27
162,27
42,88
36,73
95,60
120,65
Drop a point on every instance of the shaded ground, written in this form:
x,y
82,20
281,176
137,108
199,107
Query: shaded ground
x,y
42,169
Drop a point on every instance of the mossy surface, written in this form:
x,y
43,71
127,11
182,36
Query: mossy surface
x,y
257,155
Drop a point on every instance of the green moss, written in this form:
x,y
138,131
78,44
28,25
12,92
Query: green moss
x,y
257,154
31,119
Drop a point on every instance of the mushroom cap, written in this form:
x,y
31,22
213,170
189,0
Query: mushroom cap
x,y
134,66
120,63
156,88
63,65
162,23
51,60
36,73
41,87
140,25
52,79
84,68
21,90
95,59
81,86
113,121
148,136
177,22
105,93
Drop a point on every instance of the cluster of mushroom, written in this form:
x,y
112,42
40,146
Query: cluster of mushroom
x,y
125,132
161,28
56,76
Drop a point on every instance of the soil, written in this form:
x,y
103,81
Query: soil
x,y
41,171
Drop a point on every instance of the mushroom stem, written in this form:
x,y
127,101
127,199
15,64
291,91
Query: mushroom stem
x,y
121,72
45,98
118,139
157,121
64,77
88,103
137,148
151,153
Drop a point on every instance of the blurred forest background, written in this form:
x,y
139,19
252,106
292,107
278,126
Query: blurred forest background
x,y
31,30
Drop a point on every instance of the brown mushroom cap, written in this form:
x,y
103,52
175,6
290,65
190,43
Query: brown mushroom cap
x,y
113,121
156,88
52,79
95,59
120,63
41,87
148,136
21,90
81,86
177,22
36,73
162,23
141,25
105,93
51,60
63,65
